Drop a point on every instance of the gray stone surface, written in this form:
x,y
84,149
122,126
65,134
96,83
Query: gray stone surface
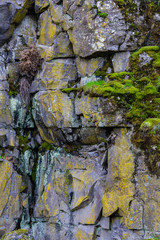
x,y
92,33
11,13
68,168
121,61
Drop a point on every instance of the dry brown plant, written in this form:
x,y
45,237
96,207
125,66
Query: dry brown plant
x,y
29,62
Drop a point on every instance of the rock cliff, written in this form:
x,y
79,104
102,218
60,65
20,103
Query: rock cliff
x,y
80,119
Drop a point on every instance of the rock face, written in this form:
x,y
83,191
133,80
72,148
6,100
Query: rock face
x,y
11,13
73,165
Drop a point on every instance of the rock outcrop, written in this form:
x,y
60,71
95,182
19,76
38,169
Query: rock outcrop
x,y
81,160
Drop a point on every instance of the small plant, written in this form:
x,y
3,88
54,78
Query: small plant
x,y
104,15
29,62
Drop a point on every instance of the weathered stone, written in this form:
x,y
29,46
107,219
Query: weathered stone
x,y
119,231
56,12
10,191
105,235
5,112
61,109
21,116
89,214
104,223
81,188
147,188
3,71
8,138
40,5
119,190
17,234
11,13
27,34
13,74
97,111
134,220
61,48
55,75
47,29
85,80
84,232
48,204
144,59
121,61
4,86
86,67
92,32
92,135
15,47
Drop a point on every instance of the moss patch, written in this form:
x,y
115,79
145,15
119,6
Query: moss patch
x,y
68,90
23,140
46,146
101,14
139,92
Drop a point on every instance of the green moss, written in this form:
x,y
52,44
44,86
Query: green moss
x,y
119,76
151,239
120,2
68,90
144,49
23,140
47,146
150,124
92,84
100,73
150,90
104,15
138,91
156,62
12,92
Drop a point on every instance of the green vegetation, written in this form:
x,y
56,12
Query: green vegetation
x,y
120,2
104,15
12,92
23,140
152,239
100,73
47,146
138,92
68,90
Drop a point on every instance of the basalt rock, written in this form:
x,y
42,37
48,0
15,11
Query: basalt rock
x,y
81,160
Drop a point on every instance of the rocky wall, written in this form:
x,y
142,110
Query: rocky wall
x,y
80,161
